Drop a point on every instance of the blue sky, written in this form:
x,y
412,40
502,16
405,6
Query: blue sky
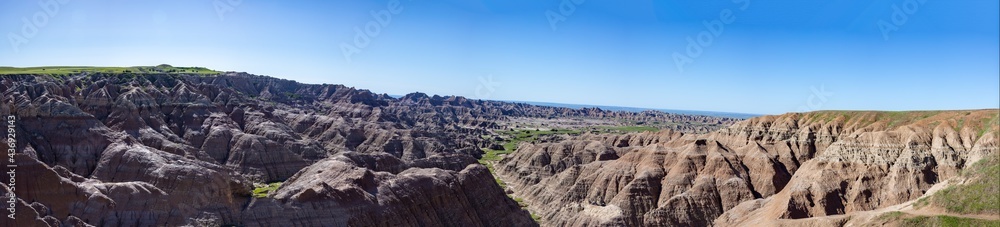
x,y
767,57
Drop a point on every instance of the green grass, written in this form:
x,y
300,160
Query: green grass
x,y
70,70
494,155
939,220
520,202
489,165
262,190
961,123
980,196
630,128
895,117
518,136
947,221
986,125
894,215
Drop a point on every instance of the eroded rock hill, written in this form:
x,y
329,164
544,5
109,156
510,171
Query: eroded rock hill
x,y
773,167
170,149
439,193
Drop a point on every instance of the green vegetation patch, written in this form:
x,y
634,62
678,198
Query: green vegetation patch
x,y
940,220
987,124
947,221
527,135
69,70
897,118
981,195
888,216
630,128
520,202
262,190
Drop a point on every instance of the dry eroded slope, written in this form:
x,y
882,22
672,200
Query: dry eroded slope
x,y
789,166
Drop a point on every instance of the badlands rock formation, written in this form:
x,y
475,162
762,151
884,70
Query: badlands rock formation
x,y
790,166
171,149
156,149
438,193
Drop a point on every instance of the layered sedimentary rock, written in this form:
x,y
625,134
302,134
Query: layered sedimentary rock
x,y
171,149
888,163
789,166
155,149
384,191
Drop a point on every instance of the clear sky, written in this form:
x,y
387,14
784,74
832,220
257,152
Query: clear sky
x,y
758,56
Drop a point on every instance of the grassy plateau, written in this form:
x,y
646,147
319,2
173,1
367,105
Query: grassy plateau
x,y
68,70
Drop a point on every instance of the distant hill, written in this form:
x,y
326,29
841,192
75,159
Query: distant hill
x,y
639,109
631,109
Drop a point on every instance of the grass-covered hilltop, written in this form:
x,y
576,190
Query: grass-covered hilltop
x,y
69,70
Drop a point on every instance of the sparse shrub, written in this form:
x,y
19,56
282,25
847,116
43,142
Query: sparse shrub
x,y
262,190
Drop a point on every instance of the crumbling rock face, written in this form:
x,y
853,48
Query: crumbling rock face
x,y
382,195
789,166
171,149
59,197
879,166
654,185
